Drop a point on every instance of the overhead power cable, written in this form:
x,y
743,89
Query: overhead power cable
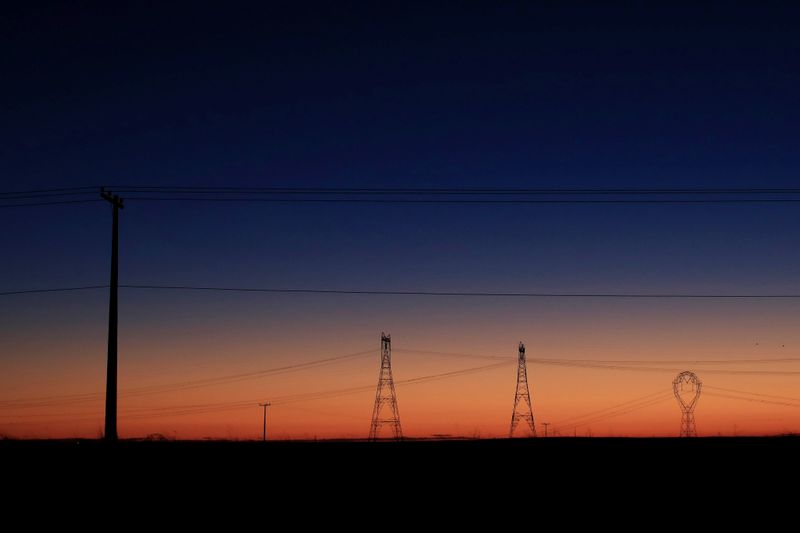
x,y
60,190
608,361
440,191
414,190
433,195
614,414
754,400
68,399
366,292
458,201
58,202
707,387
645,398
310,396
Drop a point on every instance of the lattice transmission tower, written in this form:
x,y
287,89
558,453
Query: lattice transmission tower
x,y
385,411
686,387
523,409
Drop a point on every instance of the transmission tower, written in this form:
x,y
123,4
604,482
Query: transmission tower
x,y
385,410
523,409
686,387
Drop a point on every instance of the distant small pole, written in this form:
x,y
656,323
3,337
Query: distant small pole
x,y
265,405
111,366
545,424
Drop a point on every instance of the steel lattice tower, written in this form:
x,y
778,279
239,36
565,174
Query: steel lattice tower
x,y
385,397
687,381
523,409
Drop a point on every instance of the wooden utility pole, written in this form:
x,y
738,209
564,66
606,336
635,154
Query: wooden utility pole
x,y
111,367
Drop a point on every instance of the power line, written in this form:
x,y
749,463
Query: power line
x,y
614,414
49,401
453,293
403,382
735,391
178,386
478,195
611,361
60,202
485,195
470,201
636,368
613,365
44,195
320,395
57,289
626,404
453,190
235,378
411,292
87,189
503,360
754,400
308,396
457,354
590,418
423,191
616,410
257,193
690,361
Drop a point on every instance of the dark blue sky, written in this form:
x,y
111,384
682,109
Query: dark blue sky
x,y
353,96
170,93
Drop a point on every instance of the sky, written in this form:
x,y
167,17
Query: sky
x,y
397,96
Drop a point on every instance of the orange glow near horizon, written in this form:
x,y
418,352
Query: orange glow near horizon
x,y
470,405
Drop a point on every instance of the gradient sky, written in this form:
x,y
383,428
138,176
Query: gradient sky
x,y
404,96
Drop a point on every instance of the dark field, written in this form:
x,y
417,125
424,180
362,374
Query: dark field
x,y
486,457
320,482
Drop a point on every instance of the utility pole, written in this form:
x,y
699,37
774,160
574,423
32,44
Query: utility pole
x,y
265,405
111,365
545,424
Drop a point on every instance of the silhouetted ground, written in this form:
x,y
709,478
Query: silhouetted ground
x,y
423,476
547,454
565,483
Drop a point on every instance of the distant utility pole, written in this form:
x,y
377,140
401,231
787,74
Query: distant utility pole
x,y
545,424
111,366
265,405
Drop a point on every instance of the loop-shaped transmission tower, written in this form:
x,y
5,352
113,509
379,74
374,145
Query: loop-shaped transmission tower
x,y
686,387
